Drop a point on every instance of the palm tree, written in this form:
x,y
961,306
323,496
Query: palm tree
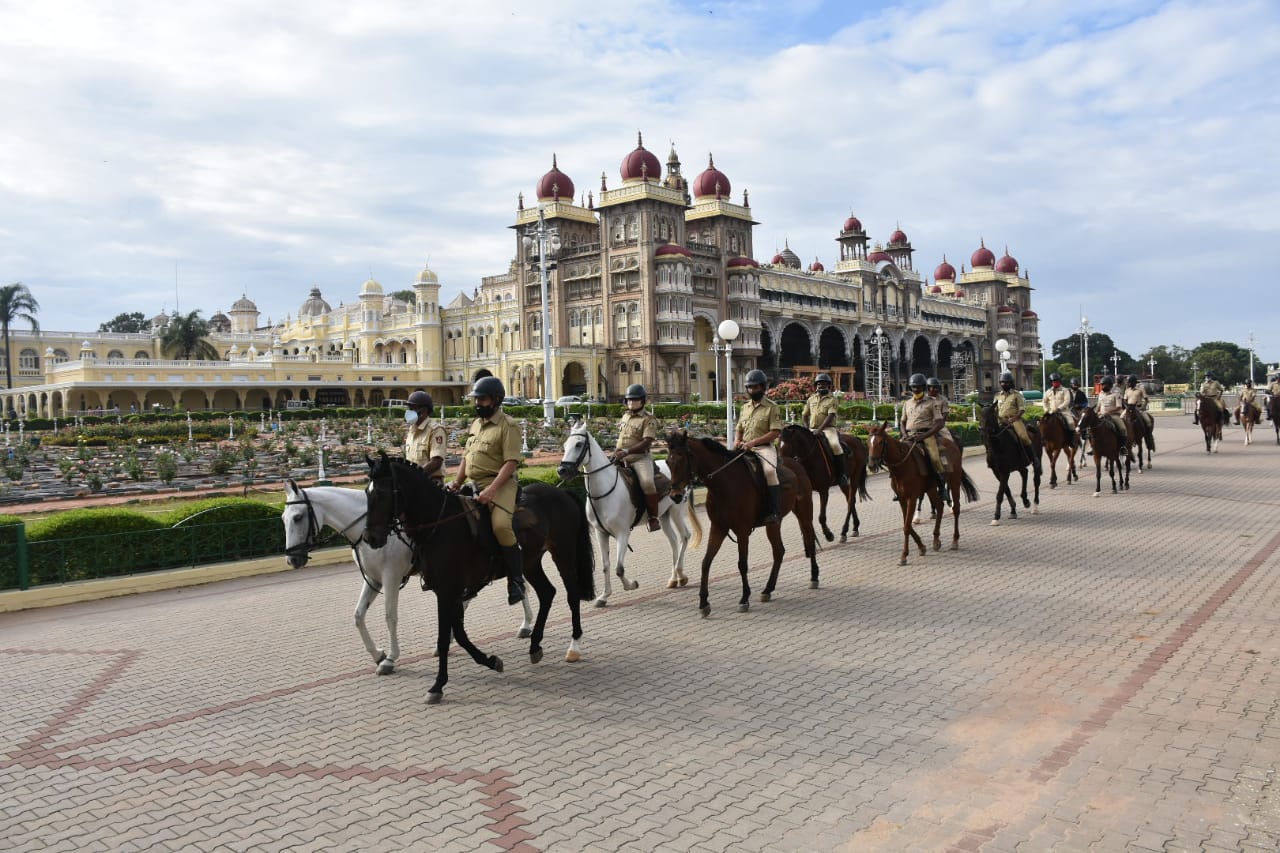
x,y
187,338
16,303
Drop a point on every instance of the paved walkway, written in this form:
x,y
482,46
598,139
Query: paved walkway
x,y
1102,675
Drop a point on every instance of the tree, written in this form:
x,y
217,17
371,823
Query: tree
x,y
16,304
1101,348
187,337
404,296
1227,360
1172,363
133,321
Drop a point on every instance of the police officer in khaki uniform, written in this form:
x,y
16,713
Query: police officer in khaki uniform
x,y
933,387
1135,395
1010,407
1111,411
1274,388
424,439
636,434
490,461
759,425
1247,395
819,414
1058,403
1212,389
922,420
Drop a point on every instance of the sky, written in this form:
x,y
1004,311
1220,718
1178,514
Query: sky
x,y
178,155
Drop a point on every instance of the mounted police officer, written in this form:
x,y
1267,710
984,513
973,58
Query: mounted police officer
x,y
1058,402
759,425
922,420
1247,395
819,414
933,387
490,460
1079,399
424,438
1135,395
1111,411
636,433
1010,406
1212,389
1274,388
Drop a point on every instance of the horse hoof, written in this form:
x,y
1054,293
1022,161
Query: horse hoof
x,y
844,538
995,522
813,584
684,581
381,656
744,607
765,596
705,610
902,561
386,667
524,633
1035,510
955,546
1097,494
495,663
434,698
572,656
937,546
831,537
535,655
634,585
602,602
672,584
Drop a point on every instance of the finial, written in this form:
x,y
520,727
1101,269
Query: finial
x,y
553,160
711,161
639,139
591,201
982,243
602,186
520,205
746,199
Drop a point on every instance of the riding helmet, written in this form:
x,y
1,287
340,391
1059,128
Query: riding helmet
x,y
1075,382
421,400
489,386
1006,377
933,382
757,377
1055,377
917,380
1106,382
1209,374
635,392
822,377
1132,381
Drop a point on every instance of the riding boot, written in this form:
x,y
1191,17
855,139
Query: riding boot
x,y
842,472
1195,418
943,491
515,573
773,494
652,502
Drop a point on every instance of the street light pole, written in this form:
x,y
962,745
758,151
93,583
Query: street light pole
x,y
1151,367
1083,332
1252,343
716,349
1002,347
547,240
1044,383
728,331
1195,372
879,340
1115,366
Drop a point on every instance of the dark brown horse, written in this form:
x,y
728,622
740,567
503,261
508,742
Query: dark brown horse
x,y
1140,435
912,481
1108,445
1210,417
1006,455
1059,438
1273,412
804,446
735,503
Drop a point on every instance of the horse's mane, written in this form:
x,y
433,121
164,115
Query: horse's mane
x,y
713,446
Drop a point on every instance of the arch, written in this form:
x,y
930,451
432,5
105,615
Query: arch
x,y
193,400
115,355
480,374
921,356
573,379
833,350
795,346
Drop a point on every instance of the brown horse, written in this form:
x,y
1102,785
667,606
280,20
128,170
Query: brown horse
x,y
1273,412
1059,438
1107,444
736,503
1140,435
912,481
1210,417
804,446
1249,416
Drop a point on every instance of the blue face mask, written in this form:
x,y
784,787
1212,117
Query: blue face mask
x,y
410,417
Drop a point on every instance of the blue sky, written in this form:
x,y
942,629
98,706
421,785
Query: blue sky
x,y
1124,152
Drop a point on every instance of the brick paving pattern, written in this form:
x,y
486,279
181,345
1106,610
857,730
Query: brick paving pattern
x,y
1099,676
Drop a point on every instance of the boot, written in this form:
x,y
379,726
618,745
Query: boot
x,y
842,472
1035,460
943,489
773,494
1195,418
652,502
515,573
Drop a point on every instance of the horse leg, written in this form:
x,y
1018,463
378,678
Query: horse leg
x,y
492,662
955,510
1097,473
1000,490
602,539
850,512
546,592
620,568
714,541
444,632
367,595
744,540
1053,469
678,537
391,613
774,533
803,511
1035,510
822,514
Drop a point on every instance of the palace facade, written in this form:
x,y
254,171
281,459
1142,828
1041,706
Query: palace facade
x,y
638,279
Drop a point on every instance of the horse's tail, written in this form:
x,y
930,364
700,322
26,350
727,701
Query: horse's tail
x,y
693,521
584,556
967,486
863,494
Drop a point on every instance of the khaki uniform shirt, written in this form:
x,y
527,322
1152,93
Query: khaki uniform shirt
x,y
1057,400
1136,396
425,441
1274,388
1248,395
919,415
635,428
816,409
1010,405
941,403
1109,403
756,419
492,443
1211,388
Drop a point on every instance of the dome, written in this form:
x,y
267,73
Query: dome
x,y
161,319
982,256
740,262
959,294
672,251
944,271
816,266
641,164
220,322
1008,263
1004,309
878,255
244,303
712,183
555,184
778,260
851,224
1029,314
898,236
936,289
428,276
315,305
789,258
370,288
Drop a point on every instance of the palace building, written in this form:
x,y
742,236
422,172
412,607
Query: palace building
x,y
643,271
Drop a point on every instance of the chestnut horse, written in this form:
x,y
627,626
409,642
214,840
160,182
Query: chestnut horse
x,y
1106,445
803,445
911,482
1058,439
735,504
1249,416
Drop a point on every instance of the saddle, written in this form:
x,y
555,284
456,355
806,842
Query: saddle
x,y
756,466
477,516
661,486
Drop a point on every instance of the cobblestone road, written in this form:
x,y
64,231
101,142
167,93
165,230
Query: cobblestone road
x,y
1102,675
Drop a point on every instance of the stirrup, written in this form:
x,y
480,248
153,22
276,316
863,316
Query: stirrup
x,y
515,590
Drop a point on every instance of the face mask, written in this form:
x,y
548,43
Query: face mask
x,y
823,391
756,396
410,417
917,394
484,412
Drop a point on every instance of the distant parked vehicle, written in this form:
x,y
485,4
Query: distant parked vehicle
x,y
569,400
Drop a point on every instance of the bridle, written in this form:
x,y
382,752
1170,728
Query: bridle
x,y
312,540
579,465
875,461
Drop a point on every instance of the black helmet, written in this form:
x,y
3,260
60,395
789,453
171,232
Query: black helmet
x,y
757,377
1055,377
1006,377
421,400
489,386
1132,380
1209,374
916,381
933,382
822,377
1075,381
635,392
1106,382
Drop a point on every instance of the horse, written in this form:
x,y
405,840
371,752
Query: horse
x,y
1140,435
612,513
456,566
307,511
1059,440
1005,454
1106,444
735,504
805,447
1273,412
911,482
1249,416
1210,417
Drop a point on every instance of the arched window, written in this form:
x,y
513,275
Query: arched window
x,y
140,355
115,354
28,360
60,356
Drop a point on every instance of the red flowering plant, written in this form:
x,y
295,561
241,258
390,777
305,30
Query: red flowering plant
x,y
791,390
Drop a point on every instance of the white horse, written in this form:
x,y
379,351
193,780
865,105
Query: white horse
x,y
308,511
612,514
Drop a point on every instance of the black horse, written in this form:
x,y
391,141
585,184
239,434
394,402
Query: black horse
x,y
445,531
807,448
1005,455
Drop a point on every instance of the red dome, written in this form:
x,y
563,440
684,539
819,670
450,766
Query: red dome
x,y
959,294
1004,309
898,236
555,184
1007,264
851,224
641,164
1029,313
672,250
712,183
982,257
878,256
935,289
944,271
816,266
778,260
740,262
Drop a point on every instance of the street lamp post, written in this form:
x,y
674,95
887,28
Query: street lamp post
x,y
595,370
1044,383
715,349
880,341
547,241
1252,343
1115,366
728,331
1083,332
1195,372
1002,347
1151,367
